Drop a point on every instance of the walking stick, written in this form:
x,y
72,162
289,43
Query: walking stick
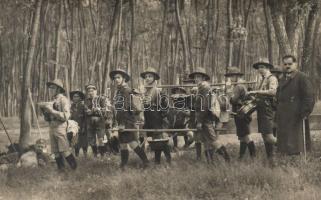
x,y
304,141
5,130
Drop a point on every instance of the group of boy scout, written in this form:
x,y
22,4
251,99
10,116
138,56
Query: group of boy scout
x,y
197,109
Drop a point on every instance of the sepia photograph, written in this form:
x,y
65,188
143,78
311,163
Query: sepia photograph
x,y
160,99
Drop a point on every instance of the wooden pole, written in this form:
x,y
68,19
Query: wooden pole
x,y
163,130
194,85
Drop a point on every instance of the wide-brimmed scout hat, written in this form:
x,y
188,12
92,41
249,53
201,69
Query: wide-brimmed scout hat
x,y
150,70
56,82
264,62
79,92
233,71
200,71
179,90
121,72
90,86
277,69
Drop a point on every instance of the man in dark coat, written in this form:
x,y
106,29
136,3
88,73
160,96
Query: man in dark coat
x,y
295,103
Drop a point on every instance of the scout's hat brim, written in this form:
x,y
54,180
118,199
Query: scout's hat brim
x,y
156,75
80,93
123,73
56,83
192,75
268,65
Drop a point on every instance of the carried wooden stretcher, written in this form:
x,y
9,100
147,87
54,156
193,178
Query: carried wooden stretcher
x,y
194,85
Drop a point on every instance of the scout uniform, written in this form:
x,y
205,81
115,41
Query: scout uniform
x,y
265,114
178,115
207,110
155,108
96,110
242,123
78,113
126,119
58,118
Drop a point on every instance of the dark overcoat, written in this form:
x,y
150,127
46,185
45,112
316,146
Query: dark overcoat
x,y
295,102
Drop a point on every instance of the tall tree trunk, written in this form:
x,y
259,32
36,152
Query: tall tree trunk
x,y
166,2
279,27
309,33
229,34
25,102
119,32
132,40
241,48
110,46
292,26
182,35
58,39
268,30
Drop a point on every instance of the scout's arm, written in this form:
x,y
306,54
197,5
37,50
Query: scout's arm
x,y
307,96
273,85
64,114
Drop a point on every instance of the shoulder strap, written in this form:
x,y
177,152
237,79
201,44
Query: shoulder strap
x,y
267,78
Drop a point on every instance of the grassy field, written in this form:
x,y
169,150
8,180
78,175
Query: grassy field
x,y
184,179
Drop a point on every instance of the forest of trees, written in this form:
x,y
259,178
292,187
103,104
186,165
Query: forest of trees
x,y
80,41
